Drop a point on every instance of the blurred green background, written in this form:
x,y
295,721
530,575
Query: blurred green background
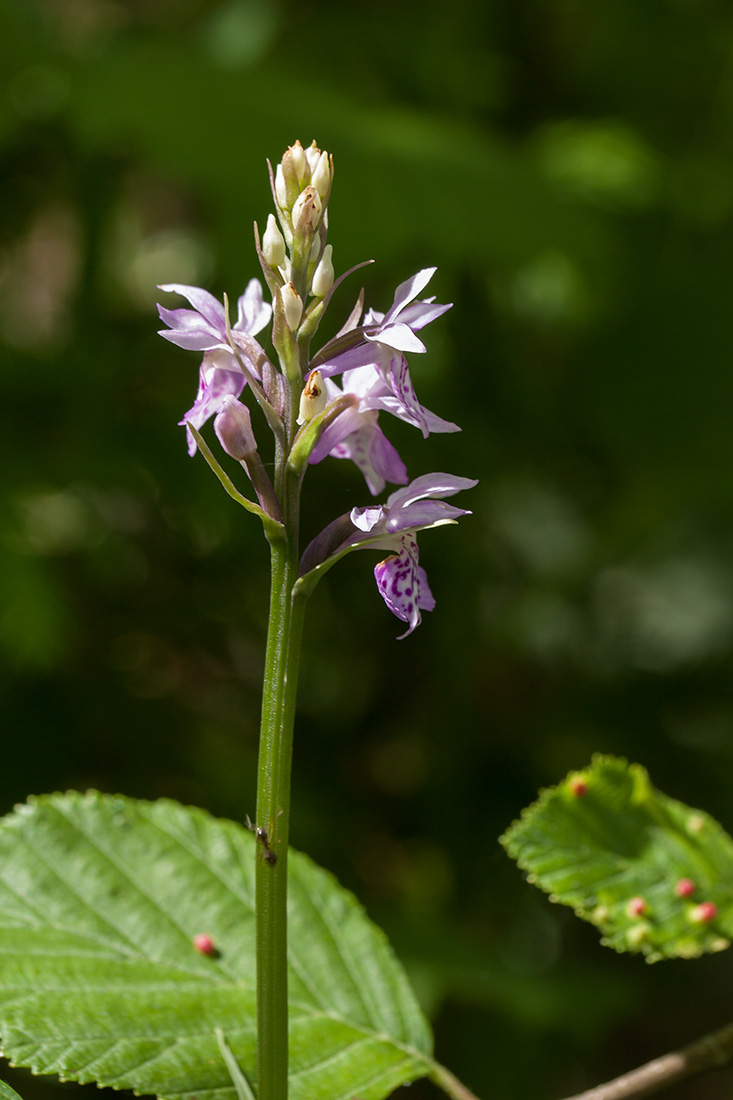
x,y
568,166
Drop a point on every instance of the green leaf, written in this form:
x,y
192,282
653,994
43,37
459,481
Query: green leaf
x,y
652,874
6,1093
100,899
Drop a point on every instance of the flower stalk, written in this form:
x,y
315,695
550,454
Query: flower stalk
x,y
273,815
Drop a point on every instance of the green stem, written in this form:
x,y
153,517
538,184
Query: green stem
x,y
273,813
449,1083
282,660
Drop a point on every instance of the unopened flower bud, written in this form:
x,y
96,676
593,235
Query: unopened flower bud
x,y
273,244
313,399
323,275
293,306
312,155
281,191
233,427
321,177
299,162
307,209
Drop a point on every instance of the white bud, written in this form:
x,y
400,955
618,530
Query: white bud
x,y
313,399
281,191
323,275
312,155
273,245
321,178
292,304
307,208
300,164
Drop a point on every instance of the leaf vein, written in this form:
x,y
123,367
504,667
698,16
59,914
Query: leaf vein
x,y
346,958
126,874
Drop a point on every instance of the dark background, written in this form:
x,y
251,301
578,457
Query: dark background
x,y
569,167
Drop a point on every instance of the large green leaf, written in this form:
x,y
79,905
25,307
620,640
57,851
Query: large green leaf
x,y
100,900
654,875
6,1093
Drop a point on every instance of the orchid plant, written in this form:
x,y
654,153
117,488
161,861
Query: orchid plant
x,y
310,418
181,956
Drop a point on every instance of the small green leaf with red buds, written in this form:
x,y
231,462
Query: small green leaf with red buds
x,y
628,859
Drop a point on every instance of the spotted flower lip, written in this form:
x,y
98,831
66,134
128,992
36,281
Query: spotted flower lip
x,y
403,584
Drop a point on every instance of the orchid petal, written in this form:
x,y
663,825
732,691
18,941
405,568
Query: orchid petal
x,y
215,385
423,514
365,519
422,313
253,313
429,485
399,337
349,421
408,290
437,424
203,302
374,455
405,392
